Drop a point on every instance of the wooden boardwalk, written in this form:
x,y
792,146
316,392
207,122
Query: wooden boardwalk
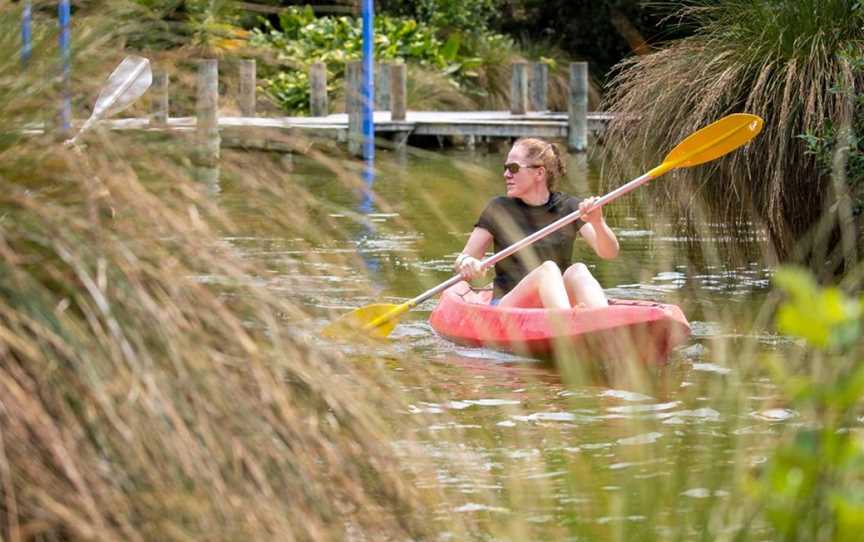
x,y
253,132
528,115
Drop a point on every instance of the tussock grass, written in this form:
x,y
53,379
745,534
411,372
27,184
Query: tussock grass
x,y
140,401
150,387
428,90
778,60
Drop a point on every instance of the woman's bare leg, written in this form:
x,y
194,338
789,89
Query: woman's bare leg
x,y
582,288
542,287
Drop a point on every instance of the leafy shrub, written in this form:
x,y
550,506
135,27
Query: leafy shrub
x,y
810,486
303,39
449,14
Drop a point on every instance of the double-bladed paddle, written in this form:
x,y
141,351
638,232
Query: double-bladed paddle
x,y
129,80
709,143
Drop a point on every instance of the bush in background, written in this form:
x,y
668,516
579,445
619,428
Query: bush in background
x,y
302,39
776,59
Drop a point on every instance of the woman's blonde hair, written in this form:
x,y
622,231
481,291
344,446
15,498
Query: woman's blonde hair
x,y
546,154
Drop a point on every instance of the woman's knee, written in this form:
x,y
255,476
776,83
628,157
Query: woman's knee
x,y
577,271
549,270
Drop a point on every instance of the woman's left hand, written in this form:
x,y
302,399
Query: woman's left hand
x,y
589,213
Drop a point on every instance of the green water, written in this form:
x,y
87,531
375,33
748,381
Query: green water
x,y
575,453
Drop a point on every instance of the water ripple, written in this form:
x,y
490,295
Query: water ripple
x,y
704,493
547,416
632,409
625,395
775,414
475,507
711,368
647,438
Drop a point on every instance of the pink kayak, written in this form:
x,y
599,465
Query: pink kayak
x,y
642,330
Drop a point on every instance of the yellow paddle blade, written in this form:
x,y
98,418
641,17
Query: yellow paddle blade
x,y
376,321
714,140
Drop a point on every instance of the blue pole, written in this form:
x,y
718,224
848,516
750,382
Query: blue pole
x,y
367,124
368,91
26,33
64,14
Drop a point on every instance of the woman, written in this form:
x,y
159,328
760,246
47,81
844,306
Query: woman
x,y
540,275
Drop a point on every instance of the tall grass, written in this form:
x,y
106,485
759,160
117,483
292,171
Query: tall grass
x,y
779,60
150,388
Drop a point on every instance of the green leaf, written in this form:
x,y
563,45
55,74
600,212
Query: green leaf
x,y
849,514
451,47
824,317
849,390
551,62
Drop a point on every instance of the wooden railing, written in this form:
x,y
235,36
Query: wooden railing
x,y
528,115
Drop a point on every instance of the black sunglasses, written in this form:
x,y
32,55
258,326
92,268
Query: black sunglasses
x,y
514,168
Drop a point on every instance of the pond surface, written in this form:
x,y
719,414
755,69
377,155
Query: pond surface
x,y
574,453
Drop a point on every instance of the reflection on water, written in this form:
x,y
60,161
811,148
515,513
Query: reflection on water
x,y
517,419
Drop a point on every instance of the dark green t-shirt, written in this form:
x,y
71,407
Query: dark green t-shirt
x,y
510,220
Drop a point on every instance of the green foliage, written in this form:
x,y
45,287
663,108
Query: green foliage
x,y
303,39
339,39
810,488
847,139
825,317
447,14
212,25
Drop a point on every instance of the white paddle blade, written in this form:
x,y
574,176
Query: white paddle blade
x,y
126,84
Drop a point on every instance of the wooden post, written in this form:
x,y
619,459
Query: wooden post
x,y
538,86
471,142
353,106
382,86
318,83
398,91
578,123
159,102
247,87
519,89
398,107
208,113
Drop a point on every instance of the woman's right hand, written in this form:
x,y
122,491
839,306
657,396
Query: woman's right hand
x,y
468,266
